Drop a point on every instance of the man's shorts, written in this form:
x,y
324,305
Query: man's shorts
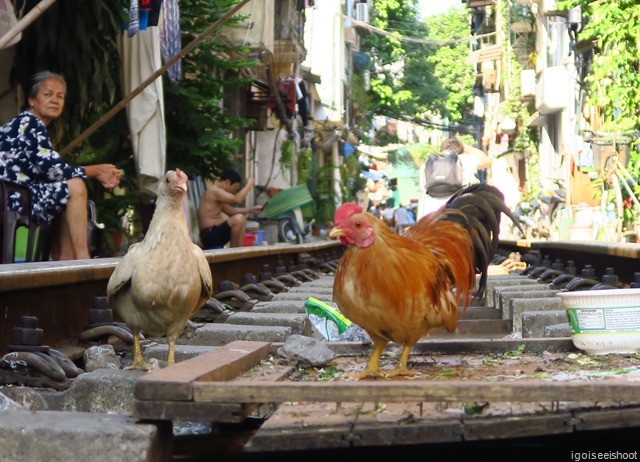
x,y
215,236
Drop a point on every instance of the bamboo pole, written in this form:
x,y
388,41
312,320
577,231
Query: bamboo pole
x,y
25,21
135,92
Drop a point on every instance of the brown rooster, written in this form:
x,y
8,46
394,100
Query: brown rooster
x,y
397,287
165,278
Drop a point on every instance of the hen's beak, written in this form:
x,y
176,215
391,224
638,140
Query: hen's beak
x,y
335,233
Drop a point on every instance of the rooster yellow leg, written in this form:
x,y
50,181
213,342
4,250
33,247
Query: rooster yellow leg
x,y
373,366
402,368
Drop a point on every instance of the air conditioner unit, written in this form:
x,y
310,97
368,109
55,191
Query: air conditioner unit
x,y
362,12
528,83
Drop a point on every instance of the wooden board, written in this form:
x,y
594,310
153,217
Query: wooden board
x,y
166,394
174,383
416,391
283,433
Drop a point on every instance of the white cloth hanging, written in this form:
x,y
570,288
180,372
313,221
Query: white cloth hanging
x,y
140,56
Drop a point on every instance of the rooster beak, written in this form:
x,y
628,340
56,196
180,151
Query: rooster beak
x,y
335,233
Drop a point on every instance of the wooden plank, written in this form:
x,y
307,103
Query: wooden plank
x,y
477,428
300,438
186,411
385,391
174,383
607,418
482,428
207,412
409,433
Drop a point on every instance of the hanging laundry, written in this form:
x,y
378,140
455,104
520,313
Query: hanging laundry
x,y
154,12
144,7
303,100
170,39
134,24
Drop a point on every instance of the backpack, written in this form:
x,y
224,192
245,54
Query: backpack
x,y
443,174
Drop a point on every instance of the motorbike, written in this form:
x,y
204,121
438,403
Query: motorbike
x,y
540,217
285,208
292,227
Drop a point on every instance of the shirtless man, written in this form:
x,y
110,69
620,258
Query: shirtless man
x,y
215,229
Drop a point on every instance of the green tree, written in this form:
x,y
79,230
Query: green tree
x,y
419,66
453,77
390,54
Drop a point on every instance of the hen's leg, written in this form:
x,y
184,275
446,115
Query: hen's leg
x,y
171,358
402,368
138,360
373,366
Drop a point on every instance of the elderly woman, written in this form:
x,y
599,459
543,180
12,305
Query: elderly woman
x,y
59,194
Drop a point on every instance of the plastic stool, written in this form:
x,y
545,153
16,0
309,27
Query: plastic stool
x,y
12,219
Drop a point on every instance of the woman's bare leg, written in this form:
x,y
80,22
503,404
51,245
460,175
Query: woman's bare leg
x,y
72,227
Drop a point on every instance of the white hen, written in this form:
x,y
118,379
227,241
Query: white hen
x,y
164,279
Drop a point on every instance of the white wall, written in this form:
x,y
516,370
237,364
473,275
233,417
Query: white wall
x,y
324,40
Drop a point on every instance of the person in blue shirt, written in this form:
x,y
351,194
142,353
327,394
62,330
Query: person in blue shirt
x,y
58,190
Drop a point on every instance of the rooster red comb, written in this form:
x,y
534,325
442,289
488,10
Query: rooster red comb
x,y
345,211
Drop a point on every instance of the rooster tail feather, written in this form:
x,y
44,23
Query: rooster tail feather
x,y
482,253
496,202
482,205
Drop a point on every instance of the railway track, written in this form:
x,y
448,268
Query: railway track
x,y
60,296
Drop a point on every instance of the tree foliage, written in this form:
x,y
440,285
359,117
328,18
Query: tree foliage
x,y
613,81
456,79
425,77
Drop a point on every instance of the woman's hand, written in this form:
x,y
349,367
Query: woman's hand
x,y
107,174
